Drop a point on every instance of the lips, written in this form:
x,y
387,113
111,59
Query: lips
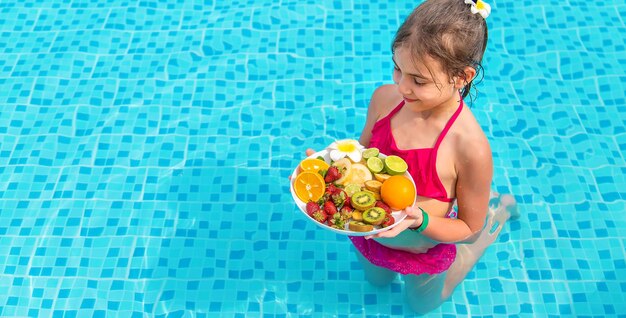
x,y
408,100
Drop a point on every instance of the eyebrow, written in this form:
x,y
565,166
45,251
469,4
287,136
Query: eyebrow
x,y
414,75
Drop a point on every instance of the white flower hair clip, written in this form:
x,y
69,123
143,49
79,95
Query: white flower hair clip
x,y
479,6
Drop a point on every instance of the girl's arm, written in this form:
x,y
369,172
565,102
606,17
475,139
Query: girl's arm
x,y
474,173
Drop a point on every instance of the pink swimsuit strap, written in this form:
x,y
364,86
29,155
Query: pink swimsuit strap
x,y
437,185
422,162
451,121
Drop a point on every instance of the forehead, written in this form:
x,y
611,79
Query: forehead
x,y
412,64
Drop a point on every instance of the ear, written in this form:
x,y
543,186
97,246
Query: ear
x,y
467,76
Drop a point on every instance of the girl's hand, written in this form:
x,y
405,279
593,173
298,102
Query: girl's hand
x,y
413,219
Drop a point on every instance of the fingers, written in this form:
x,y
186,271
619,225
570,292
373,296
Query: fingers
x,y
413,212
415,215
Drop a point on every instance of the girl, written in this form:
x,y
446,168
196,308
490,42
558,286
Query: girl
x,y
422,118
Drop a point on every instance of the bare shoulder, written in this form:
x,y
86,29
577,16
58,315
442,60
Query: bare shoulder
x,y
384,99
472,144
382,102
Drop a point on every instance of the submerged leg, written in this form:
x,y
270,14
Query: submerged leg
x,y
376,275
468,254
424,292
509,203
506,200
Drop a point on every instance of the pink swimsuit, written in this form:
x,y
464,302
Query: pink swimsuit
x,y
422,167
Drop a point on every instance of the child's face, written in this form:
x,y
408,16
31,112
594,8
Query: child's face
x,y
424,83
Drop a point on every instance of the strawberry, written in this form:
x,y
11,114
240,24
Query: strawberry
x,y
383,206
338,198
332,174
346,209
320,216
336,221
347,202
330,208
332,189
389,220
312,207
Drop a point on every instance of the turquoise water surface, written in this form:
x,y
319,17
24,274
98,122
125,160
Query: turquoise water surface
x,y
145,148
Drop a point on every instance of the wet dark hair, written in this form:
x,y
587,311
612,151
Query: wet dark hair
x,y
447,31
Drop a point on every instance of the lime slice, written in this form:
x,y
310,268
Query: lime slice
x,y
375,164
395,165
352,188
370,153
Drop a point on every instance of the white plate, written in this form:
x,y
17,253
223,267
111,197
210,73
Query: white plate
x,y
397,215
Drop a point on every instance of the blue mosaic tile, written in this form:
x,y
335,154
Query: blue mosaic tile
x,y
145,148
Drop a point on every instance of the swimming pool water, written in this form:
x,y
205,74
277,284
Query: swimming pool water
x,y
145,148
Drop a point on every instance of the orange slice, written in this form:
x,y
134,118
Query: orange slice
x,y
309,186
313,165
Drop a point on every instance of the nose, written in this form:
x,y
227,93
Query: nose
x,y
403,88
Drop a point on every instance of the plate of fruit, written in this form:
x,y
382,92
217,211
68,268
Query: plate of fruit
x,y
353,190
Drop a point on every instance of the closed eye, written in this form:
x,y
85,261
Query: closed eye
x,y
418,80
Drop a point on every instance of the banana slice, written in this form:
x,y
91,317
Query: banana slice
x,y
382,177
373,185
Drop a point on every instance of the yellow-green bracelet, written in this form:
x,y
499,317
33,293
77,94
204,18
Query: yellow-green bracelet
x,y
424,224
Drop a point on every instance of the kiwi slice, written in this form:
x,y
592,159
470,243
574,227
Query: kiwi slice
x,y
363,200
374,216
359,226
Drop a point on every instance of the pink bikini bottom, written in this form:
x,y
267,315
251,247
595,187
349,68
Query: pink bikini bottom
x,y
436,260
